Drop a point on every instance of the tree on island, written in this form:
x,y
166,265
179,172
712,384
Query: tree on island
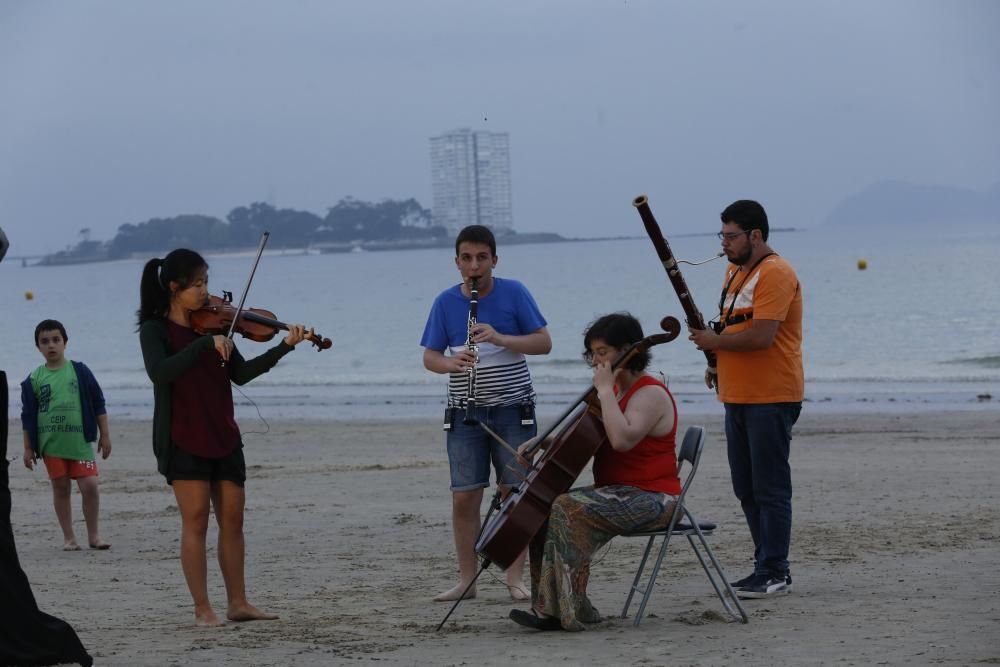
x,y
157,234
354,220
289,228
350,221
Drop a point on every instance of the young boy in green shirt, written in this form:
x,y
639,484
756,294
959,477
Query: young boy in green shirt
x,y
62,408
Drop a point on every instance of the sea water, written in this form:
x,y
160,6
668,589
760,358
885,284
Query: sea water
x,y
915,330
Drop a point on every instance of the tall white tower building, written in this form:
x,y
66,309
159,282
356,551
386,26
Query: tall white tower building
x,y
470,176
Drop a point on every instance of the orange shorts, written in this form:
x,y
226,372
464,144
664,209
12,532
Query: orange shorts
x,y
58,467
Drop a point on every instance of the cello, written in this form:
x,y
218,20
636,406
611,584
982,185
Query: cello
x,y
526,508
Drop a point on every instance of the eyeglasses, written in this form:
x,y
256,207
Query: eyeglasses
x,y
732,236
593,357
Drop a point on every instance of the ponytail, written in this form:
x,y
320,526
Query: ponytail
x,y
179,266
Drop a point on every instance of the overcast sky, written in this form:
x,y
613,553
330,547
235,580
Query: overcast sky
x,y
114,112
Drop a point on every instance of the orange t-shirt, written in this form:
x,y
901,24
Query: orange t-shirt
x,y
772,375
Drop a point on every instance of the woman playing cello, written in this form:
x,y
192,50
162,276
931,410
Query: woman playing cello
x,y
635,480
195,437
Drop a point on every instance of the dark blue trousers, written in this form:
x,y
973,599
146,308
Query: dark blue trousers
x,y
759,438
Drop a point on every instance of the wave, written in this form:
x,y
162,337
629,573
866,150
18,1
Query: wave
x,y
576,361
985,362
436,384
904,380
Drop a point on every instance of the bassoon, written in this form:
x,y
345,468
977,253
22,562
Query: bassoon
x,y
691,312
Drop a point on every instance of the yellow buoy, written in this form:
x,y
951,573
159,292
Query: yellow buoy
x,y
29,295
862,265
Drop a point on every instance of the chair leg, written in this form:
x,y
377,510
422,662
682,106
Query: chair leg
x,y
736,612
638,575
648,591
722,587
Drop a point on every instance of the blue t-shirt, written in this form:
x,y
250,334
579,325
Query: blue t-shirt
x,y
502,375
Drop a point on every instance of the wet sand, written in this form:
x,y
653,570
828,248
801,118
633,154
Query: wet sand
x,y
894,556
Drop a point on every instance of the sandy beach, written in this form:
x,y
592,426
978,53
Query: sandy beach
x,y
894,556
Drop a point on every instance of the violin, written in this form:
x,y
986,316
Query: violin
x,y
567,453
256,324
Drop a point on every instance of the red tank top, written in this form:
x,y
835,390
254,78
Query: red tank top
x,y
651,465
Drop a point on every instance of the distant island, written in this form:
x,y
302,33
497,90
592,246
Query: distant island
x,y
893,203
354,225
351,225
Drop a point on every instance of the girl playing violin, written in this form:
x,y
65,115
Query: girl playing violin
x,y
195,437
635,480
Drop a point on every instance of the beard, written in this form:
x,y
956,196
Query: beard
x,y
742,259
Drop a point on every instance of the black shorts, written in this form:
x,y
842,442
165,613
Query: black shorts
x,y
186,466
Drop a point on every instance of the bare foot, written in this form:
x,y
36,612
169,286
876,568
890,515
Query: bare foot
x,y
206,618
99,544
248,612
455,593
71,545
517,591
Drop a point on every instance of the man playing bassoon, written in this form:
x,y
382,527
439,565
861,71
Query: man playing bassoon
x,y
758,343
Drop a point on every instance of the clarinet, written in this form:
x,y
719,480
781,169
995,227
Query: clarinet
x,y
471,346
694,318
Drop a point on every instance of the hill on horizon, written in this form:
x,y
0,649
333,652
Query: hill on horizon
x,y
893,203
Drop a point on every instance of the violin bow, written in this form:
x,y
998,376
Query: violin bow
x,y
239,309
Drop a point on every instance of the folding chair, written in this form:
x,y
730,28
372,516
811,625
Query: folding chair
x,y
689,527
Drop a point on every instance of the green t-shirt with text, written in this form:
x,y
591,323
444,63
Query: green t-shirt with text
x,y
60,418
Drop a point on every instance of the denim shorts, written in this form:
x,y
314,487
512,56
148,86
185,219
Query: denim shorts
x,y
471,448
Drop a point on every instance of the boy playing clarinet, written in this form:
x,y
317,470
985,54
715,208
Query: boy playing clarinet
x,y
508,326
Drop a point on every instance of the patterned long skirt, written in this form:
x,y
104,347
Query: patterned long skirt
x,y
580,523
